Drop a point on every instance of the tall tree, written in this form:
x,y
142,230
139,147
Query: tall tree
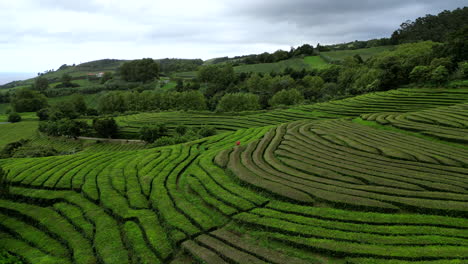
x,y
144,70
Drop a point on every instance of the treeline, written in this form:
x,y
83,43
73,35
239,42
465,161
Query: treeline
x,y
265,57
431,27
179,65
357,44
119,102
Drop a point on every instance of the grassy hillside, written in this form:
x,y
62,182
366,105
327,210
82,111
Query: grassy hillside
x,y
316,62
296,64
364,53
337,182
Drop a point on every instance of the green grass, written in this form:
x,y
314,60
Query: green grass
x,y
316,62
296,64
17,131
364,53
168,86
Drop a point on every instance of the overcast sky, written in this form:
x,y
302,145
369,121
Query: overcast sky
x,y
36,35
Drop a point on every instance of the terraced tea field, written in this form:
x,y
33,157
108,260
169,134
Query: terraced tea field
x,y
314,184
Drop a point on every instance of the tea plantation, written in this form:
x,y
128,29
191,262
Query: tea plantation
x,y
377,178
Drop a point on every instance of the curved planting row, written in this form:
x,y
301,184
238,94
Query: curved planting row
x,y
224,122
447,123
401,100
120,207
347,165
359,237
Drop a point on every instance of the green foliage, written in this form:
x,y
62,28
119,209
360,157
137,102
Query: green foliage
x,y
144,70
312,86
463,66
218,75
191,100
431,27
10,148
179,65
439,75
287,97
78,101
106,76
207,131
446,62
62,110
420,74
148,100
6,258
150,134
367,81
63,127
34,152
25,100
43,114
66,80
238,102
14,117
41,84
107,127
111,102
181,129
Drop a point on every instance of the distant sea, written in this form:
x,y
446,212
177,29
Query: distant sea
x,y
6,77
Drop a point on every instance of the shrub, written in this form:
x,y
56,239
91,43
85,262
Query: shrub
x,y
439,75
14,117
181,130
463,67
420,74
106,127
163,141
287,97
237,102
150,134
35,151
43,114
207,131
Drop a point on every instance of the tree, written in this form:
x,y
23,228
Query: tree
x,y
63,110
41,84
43,114
106,76
144,70
238,102
192,100
72,128
66,80
287,97
207,131
420,74
312,85
150,134
107,127
77,100
439,75
63,127
14,117
463,66
218,75
25,100
111,102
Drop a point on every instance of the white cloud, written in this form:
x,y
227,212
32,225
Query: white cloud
x,y
36,35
